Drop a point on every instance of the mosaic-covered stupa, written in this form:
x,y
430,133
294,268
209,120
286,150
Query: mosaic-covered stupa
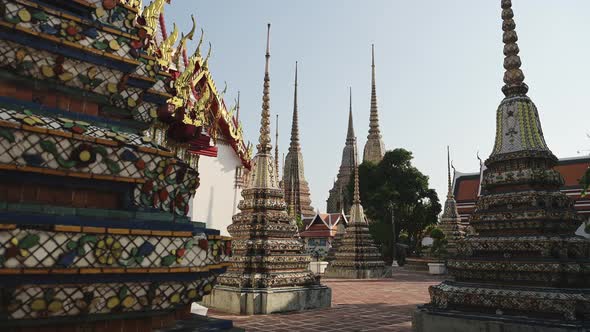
x,y
356,257
295,186
269,271
450,222
336,243
338,199
102,119
525,270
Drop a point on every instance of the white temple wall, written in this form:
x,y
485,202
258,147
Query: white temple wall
x,y
217,197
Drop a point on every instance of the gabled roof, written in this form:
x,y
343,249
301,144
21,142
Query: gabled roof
x,y
329,220
228,123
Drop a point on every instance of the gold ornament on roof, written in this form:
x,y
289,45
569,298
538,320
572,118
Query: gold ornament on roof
x,y
176,58
137,4
198,50
151,15
182,84
166,48
205,65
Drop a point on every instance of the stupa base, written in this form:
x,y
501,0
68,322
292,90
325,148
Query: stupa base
x,y
341,273
255,301
427,319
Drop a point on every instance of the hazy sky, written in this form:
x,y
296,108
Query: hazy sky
x,y
439,73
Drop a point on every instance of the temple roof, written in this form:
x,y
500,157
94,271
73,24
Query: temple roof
x,y
227,119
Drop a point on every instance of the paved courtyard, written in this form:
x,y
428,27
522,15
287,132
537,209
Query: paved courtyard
x,y
357,305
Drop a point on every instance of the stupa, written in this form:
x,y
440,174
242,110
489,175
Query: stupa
x,y
525,270
295,186
103,117
336,243
338,199
357,257
450,222
269,271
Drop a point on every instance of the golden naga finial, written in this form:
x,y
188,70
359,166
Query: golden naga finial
x,y
166,48
182,45
206,62
151,15
224,90
198,50
182,84
132,3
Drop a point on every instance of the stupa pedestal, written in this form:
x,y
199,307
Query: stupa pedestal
x,y
269,271
525,270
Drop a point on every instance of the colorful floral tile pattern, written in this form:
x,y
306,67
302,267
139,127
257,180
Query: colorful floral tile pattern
x,y
73,73
164,183
34,301
25,249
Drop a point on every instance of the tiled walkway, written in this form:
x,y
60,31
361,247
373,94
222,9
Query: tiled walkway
x,y
357,305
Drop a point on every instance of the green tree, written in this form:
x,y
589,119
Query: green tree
x,y
395,180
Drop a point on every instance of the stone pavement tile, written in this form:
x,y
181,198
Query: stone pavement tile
x,y
357,305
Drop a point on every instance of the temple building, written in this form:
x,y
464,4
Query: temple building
x,y
374,147
356,257
338,197
269,269
524,268
321,230
103,120
450,222
294,184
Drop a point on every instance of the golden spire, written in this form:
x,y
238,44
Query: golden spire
x,y
264,146
513,76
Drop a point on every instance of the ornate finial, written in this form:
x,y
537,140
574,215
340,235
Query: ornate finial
x,y
295,124
350,134
277,145
198,49
373,60
238,108
224,90
206,61
374,131
450,187
264,145
374,148
513,76
182,45
165,57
